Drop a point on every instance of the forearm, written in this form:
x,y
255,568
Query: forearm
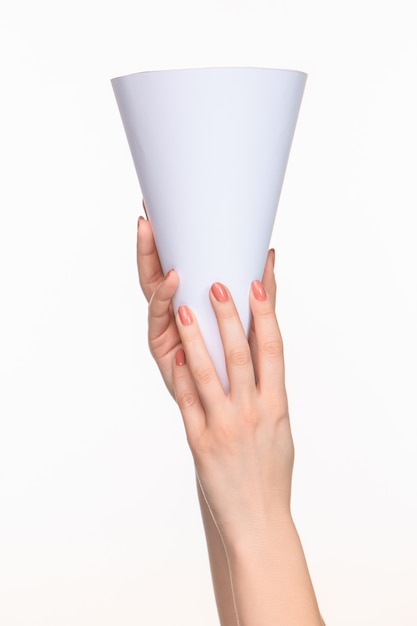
x,y
219,566
271,582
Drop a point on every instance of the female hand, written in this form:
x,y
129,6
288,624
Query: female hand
x,y
163,336
241,441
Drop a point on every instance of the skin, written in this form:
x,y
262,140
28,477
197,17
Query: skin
x,y
241,444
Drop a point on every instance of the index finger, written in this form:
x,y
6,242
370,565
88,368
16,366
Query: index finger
x,y
149,265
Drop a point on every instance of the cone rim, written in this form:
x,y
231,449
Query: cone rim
x,y
209,68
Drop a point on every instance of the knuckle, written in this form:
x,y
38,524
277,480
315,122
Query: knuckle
x,y
201,445
273,348
204,375
186,400
239,356
278,407
252,418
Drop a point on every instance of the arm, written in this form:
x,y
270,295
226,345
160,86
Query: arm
x,y
253,582
243,451
219,566
163,342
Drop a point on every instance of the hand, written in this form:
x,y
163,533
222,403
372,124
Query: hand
x,y
241,441
163,336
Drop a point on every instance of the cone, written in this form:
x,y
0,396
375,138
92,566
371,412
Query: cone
x,y
210,147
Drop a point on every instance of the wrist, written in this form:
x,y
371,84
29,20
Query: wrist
x,y
270,577
256,536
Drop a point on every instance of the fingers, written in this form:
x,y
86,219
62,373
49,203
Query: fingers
x,y
201,367
271,372
187,398
149,266
160,307
235,344
239,362
268,278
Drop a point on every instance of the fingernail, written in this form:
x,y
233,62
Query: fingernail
x,y
141,219
258,290
273,257
180,357
219,292
185,315
167,274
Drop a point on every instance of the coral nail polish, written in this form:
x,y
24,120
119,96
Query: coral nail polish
x,y
219,292
185,315
180,357
258,290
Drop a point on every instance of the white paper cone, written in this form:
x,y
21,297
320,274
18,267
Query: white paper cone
x,y
210,147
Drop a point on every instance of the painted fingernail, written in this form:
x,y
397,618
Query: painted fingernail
x,y
220,292
258,290
180,357
185,315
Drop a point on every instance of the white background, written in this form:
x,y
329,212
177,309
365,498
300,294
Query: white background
x,y
99,522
